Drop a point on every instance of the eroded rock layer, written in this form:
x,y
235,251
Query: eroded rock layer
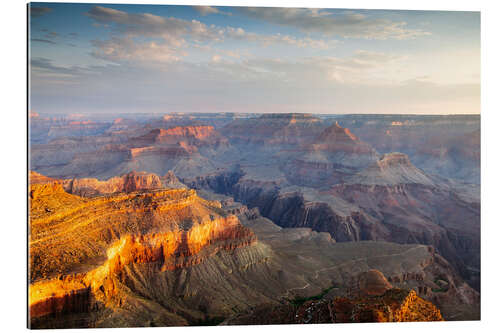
x,y
80,248
385,304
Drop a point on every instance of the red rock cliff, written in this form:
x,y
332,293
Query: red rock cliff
x,y
76,249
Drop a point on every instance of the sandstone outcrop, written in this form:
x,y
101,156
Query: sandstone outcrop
x,y
37,178
371,283
336,138
191,134
77,245
118,256
395,305
130,182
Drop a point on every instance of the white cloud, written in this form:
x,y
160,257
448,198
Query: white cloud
x,y
147,67
175,36
346,24
256,85
150,25
362,68
126,50
207,10
273,39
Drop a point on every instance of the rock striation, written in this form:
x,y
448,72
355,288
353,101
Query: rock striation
x,y
378,302
395,305
80,247
334,155
127,183
391,169
191,134
274,129
371,283
169,257
37,178
316,177
412,212
337,138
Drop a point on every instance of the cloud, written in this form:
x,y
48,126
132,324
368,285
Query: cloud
x,y
207,10
363,68
272,39
146,24
148,67
43,63
126,50
255,85
39,11
172,30
348,24
42,68
39,40
175,35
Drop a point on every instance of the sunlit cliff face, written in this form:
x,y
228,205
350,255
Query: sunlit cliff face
x,y
173,135
130,182
174,247
336,138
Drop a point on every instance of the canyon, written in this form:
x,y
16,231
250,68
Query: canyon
x,y
194,219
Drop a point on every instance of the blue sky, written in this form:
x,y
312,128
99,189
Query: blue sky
x,y
145,58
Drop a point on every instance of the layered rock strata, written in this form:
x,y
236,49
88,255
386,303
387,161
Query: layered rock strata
x,y
80,247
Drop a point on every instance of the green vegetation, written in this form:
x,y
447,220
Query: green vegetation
x,y
442,288
301,300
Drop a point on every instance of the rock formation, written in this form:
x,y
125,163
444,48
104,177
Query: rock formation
x,y
404,213
97,260
130,182
326,196
371,283
334,155
81,248
274,129
157,151
391,169
37,178
382,303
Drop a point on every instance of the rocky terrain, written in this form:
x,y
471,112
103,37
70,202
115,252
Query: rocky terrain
x,y
93,255
391,208
332,156
193,219
448,146
130,182
376,301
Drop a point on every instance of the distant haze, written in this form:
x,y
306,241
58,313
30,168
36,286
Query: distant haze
x,y
88,58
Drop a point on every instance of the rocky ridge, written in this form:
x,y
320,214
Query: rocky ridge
x,y
380,197
170,228
391,169
386,304
414,212
130,182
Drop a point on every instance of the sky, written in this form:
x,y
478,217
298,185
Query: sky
x,y
110,58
